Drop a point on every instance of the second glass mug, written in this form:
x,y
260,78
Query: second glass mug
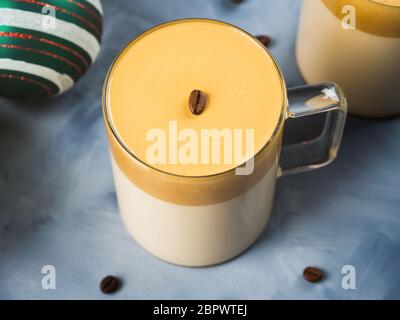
x,y
355,43
206,220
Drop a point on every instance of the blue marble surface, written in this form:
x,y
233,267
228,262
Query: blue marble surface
x,y
58,206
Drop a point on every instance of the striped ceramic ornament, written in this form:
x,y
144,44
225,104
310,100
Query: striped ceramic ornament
x,y
46,45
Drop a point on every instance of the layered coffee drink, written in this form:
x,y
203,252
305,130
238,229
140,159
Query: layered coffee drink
x,y
355,43
175,168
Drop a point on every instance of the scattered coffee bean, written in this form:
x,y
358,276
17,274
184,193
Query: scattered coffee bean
x,y
312,274
197,102
265,40
110,284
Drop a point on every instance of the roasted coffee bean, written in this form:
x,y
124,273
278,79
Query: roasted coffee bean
x,y
110,284
237,1
312,274
197,102
265,40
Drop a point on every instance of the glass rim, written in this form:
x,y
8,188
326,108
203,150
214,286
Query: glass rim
x,y
385,4
131,154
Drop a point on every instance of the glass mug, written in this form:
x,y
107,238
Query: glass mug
x,y
205,219
355,43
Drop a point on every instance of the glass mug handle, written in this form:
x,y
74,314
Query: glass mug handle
x,y
325,97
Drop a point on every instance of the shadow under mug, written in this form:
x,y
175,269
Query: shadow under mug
x,y
200,221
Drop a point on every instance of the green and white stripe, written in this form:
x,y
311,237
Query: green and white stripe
x,y
64,30
62,81
58,56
